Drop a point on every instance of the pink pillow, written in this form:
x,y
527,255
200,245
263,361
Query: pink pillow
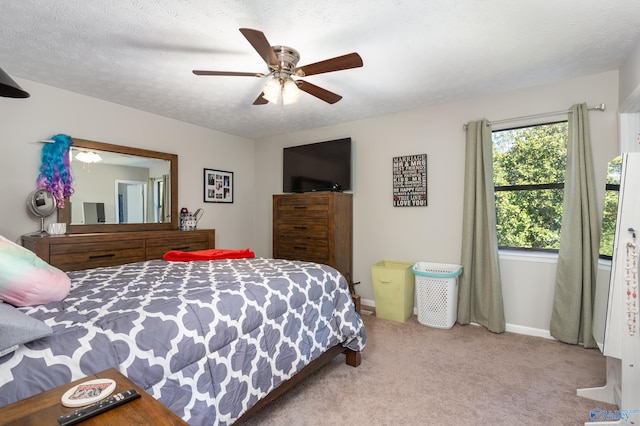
x,y
27,280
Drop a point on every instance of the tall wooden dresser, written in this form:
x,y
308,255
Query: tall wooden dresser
x,y
316,227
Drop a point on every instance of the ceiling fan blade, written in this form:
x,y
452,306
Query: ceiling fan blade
x,y
260,100
318,92
344,62
229,73
259,42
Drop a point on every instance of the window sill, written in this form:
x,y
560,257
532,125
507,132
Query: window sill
x,y
531,256
538,256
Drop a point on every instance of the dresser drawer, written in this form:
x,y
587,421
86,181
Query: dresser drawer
x,y
303,249
71,257
157,247
302,200
302,231
293,208
81,251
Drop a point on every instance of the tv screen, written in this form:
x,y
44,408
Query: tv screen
x,y
322,166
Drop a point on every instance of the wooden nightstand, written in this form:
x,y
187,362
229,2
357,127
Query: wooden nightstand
x,y
45,408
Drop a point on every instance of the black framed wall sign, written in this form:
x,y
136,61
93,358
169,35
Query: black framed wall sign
x,y
218,186
410,181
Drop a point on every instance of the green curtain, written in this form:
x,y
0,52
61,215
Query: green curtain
x,y
572,315
480,289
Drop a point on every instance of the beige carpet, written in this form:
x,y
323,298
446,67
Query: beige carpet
x,y
416,375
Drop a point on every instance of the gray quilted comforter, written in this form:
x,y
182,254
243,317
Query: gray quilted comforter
x,y
208,339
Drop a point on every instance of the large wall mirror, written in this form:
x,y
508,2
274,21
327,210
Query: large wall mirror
x,y
119,188
607,246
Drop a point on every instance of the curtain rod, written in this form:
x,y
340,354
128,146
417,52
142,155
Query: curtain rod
x,y
600,107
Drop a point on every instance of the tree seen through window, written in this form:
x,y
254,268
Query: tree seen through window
x,y
528,169
610,209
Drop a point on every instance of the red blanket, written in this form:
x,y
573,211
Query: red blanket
x,y
212,254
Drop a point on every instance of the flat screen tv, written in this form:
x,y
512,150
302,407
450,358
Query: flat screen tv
x,y
322,166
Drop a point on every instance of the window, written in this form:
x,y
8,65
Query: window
x,y
158,199
528,171
610,209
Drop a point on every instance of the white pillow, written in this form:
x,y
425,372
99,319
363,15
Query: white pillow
x,y
27,280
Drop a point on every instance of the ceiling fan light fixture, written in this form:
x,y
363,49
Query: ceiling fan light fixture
x,y
271,90
88,157
290,92
277,89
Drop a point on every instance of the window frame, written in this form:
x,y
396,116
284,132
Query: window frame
x,y
528,187
532,187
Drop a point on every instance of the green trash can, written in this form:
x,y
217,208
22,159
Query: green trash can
x,y
393,285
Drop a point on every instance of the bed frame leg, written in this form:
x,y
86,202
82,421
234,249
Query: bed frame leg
x,y
353,358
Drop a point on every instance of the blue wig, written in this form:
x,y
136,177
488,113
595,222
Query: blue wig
x,y
55,171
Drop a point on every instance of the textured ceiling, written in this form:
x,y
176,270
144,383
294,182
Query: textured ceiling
x,y
416,53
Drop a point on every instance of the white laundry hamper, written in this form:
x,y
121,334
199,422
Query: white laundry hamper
x,y
436,293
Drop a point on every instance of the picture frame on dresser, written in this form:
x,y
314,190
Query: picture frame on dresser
x,y
218,186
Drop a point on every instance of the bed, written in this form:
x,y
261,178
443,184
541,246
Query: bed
x,y
211,340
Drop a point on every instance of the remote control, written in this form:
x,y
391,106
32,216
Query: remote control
x,y
97,408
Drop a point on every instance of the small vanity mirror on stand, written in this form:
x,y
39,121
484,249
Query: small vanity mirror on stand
x,y
41,203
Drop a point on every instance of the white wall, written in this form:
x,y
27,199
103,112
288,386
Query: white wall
x,y
433,233
629,92
381,231
629,102
50,111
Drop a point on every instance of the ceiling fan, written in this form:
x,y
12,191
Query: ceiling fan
x,y
282,62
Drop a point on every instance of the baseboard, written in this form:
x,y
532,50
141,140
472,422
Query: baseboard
x,y
368,302
529,331
512,328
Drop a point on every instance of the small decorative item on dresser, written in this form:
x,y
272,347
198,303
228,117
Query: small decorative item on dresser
x,y
57,228
41,203
189,220
218,186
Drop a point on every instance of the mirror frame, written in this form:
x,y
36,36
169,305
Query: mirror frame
x,y
64,214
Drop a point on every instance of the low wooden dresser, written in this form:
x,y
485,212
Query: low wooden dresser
x,y
83,251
